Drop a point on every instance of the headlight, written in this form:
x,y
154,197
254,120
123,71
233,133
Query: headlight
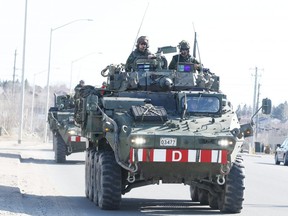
x,y
225,142
108,127
72,132
138,141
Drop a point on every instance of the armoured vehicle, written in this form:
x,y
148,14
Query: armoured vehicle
x,y
66,135
154,125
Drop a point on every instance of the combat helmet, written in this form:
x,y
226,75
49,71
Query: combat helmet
x,y
184,45
143,39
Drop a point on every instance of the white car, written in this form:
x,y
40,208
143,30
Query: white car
x,y
281,153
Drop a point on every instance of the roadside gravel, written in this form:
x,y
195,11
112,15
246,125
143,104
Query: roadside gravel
x,y
24,189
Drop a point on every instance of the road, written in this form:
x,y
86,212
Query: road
x,y
32,184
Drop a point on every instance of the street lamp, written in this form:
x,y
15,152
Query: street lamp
x,y
48,74
22,80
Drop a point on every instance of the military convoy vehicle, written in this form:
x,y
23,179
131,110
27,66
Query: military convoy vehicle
x,y
153,125
66,135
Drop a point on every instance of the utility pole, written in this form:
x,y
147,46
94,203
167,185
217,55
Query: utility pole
x,y
257,117
255,106
14,71
23,80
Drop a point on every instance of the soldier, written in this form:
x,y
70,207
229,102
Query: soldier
x,y
77,100
183,56
79,85
104,86
77,88
141,50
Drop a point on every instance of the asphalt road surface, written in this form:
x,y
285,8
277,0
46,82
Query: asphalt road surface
x,y
31,183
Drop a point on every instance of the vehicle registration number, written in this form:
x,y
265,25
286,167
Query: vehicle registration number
x,y
167,141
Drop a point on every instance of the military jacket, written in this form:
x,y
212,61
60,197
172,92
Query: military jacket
x,y
134,56
180,58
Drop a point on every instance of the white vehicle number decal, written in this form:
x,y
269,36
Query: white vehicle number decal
x,y
165,141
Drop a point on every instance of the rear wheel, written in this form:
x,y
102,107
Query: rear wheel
x,y
194,193
231,199
108,181
203,196
286,159
277,162
95,173
87,173
91,175
213,201
60,149
54,140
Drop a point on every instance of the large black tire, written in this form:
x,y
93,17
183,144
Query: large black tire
x,y
203,196
95,173
60,149
286,159
194,193
87,173
54,141
213,201
91,175
277,162
231,199
108,181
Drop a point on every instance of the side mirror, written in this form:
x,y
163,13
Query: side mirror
x,y
266,106
246,130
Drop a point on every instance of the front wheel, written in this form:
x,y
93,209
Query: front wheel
x,y
60,149
108,181
231,199
286,159
277,162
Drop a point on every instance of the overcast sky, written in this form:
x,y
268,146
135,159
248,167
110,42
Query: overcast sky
x,y
234,38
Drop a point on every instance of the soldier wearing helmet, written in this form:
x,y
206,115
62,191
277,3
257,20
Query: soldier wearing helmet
x,y
141,50
79,85
183,56
104,86
77,88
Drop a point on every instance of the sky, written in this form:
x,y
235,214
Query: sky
x,y
236,39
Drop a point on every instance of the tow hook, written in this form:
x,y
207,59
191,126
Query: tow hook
x,y
220,179
69,149
131,177
225,169
131,173
131,167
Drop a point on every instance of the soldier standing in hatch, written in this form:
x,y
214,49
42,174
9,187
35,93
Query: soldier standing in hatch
x,y
77,99
77,88
104,86
141,50
183,56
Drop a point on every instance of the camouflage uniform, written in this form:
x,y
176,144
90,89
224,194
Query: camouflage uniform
x,y
77,89
180,58
137,53
77,100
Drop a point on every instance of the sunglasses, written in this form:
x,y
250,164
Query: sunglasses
x,y
184,50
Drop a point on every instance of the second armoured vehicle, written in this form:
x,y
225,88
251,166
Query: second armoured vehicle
x,y
67,137
154,125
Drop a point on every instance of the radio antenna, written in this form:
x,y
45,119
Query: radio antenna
x,y
196,46
140,26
